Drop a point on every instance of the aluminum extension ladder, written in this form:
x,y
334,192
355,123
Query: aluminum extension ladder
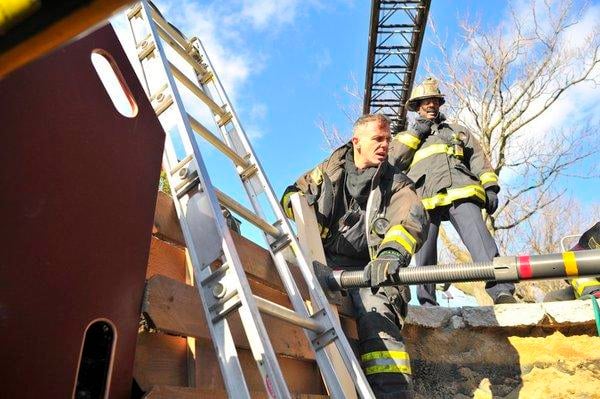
x,y
226,289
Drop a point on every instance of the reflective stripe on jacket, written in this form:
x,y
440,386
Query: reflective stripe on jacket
x,y
442,172
395,217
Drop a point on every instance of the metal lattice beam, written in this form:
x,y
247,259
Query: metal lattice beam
x,y
395,36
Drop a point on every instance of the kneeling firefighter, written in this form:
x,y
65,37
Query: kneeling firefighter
x,y
370,219
579,287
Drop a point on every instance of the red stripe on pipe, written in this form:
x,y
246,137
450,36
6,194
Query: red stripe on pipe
x,y
525,270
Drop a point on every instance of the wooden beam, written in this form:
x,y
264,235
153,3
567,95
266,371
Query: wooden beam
x,y
166,259
160,360
301,376
175,308
166,223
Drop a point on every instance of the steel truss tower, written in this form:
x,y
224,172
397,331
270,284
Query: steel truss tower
x,y
395,36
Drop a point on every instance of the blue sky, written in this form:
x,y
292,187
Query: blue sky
x,y
287,64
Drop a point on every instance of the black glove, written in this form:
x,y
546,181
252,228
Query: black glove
x,y
385,268
422,126
491,203
591,238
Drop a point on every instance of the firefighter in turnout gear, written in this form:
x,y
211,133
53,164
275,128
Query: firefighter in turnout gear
x,y
455,181
579,287
371,219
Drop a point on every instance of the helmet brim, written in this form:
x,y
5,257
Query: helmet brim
x,y
413,103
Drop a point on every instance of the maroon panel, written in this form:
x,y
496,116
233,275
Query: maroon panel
x,y
79,184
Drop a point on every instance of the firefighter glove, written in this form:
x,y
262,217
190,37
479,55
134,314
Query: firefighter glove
x,y
591,238
491,202
422,127
385,268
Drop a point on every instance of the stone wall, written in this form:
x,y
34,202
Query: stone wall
x,y
548,350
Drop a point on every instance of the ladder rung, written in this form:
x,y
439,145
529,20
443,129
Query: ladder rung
x,y
167,28
283,313
247,214
181,164
134,10
225,305
198,67
188,181
161,103
216,108
217,143
145,48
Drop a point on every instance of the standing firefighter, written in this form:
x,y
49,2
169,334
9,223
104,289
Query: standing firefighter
x,y
370,219
455,181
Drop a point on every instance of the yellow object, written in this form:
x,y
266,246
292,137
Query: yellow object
x,y
14,11
452,195
287,205
386,362
408,140
432,150
580,284
488,177
317,175
399,234
570,263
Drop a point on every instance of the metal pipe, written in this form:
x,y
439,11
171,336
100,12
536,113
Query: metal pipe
x,y
506,268
247,214
283,313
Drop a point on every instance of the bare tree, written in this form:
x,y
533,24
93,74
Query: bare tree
x,y
503,82
352,109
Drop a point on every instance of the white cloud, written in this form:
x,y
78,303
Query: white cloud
x,y
254,132
258,111
232,66
323,59
268,13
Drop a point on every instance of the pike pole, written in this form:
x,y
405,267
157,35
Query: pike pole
x,y
502,269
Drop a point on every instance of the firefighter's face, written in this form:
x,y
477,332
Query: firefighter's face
x,y
429,108
371,144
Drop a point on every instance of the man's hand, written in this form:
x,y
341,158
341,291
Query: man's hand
x,y
591,238
379,271
491,203
422,126
385,268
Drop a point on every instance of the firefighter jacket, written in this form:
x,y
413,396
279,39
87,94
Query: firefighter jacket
x,y
392,216
447,164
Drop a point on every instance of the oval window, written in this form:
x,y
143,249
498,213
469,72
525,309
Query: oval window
x,y
93,374
113,82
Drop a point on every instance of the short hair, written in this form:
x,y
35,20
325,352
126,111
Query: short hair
x,y
364,119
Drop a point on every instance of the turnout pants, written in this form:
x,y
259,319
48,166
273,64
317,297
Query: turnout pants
x,y
382,353
466,218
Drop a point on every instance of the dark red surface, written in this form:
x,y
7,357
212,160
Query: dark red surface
x,y
79,184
